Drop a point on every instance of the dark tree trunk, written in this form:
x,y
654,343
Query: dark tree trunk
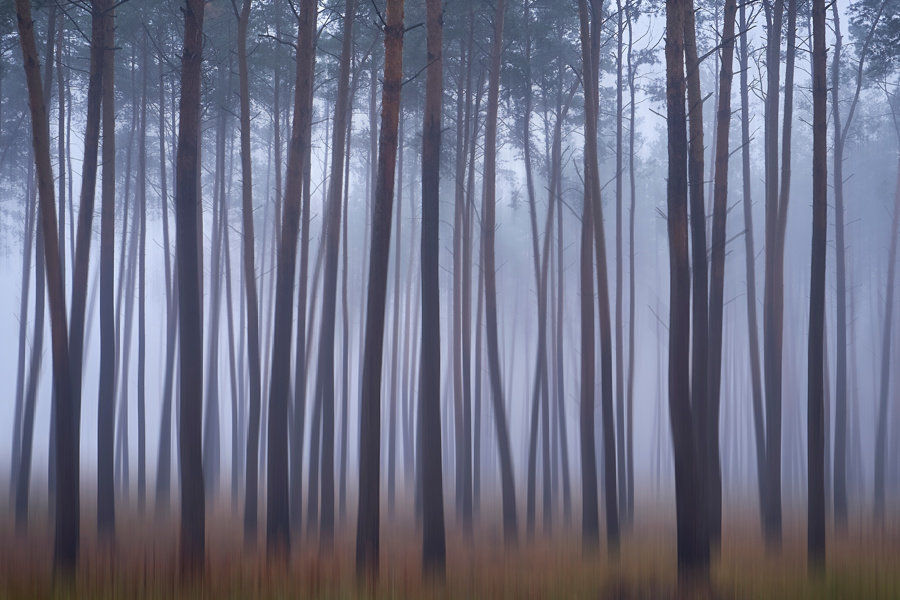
x,y
278,519
773,296
88,188
368,522
433,545
249,271
23,473
106,407
713,465
142,248
700,403
510,526
300,370
592,171
622,503
188,250
884,384
629,400
332,224
750,260
164,462
816,417
590,526
692,555
65,550
840,136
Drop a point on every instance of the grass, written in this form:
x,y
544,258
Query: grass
x,y
862,563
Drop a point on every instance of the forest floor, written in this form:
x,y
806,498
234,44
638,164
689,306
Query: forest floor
x,y
862,563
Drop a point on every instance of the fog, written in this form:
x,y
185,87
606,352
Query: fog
x,y
541,76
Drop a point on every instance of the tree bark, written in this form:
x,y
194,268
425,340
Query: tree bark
x,y
590,526
488,223
773,296
65,549
278,519
750,260
433,545
332,224
249,266
187,215
692,557
106,407
717,280
816,417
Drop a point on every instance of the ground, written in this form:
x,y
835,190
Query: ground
x,y
862,563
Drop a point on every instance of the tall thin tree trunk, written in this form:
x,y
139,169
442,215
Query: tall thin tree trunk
x,y
368,522
488,221
164,462
816,417
332,224
700,402
433,545
773,296
713,465
106,407
65,550
142,248
750,261
278,519
692,557
188,253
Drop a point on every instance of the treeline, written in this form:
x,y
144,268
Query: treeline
x,y
288,139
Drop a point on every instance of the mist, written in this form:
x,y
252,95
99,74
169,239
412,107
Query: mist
x,y
461,298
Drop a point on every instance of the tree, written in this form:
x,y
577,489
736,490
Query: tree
x,y
106,408
488,224
692,557
717,280
773,296
249,263
750,264
841,130
65,547
368,523
433,550
278,516
590,526
188,251
332,224
816,425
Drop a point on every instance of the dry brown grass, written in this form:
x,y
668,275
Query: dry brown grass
x,y
864,563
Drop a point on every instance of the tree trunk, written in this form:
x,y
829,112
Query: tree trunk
x,y
692,557
590,526
249,265
433,545
332,224
65,550
164,462
368,523
142,248
700,403
188,251
713,465
816,417
619,341
488,222
81,258
750,260
300,371
106,407
773,296
278,520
